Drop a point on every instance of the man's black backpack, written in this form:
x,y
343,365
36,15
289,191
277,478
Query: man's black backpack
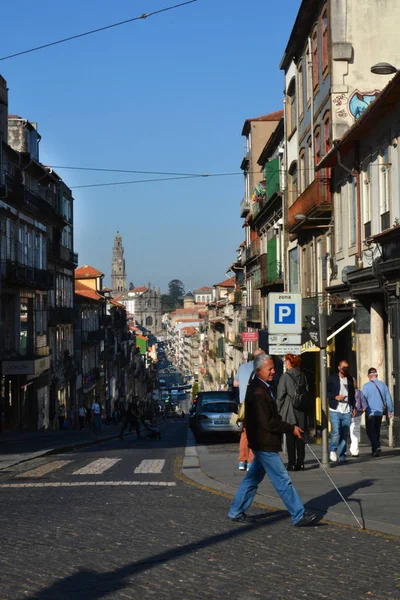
x,y
301,396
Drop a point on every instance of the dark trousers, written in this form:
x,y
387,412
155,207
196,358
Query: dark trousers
x,y
374,431
131,424
81,423
296,449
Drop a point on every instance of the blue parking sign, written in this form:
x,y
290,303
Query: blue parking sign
x,y
285,314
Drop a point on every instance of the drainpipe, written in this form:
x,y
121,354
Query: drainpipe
x,y
310,67
285,201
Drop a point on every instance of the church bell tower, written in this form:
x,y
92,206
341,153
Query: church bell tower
x,y
118,273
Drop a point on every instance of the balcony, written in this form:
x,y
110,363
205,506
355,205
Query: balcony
x,y
315,202
60,314
257,278
251,251
61,254
28,277
253,313
245,206
270,273
92,337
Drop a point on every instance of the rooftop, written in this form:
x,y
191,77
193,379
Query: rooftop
x,y
274,116
87,292
87,272
231,282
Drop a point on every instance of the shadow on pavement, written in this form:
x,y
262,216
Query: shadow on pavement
x,y
325,501
90,584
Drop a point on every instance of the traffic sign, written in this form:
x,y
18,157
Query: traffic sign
x,y
281,338
284,313
280,350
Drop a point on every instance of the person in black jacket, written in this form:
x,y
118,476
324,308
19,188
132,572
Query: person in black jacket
x,y
342,406
293,401
264,428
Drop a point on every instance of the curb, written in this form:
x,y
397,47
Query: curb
x,y
194,474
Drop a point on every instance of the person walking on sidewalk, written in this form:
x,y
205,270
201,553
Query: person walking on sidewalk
x,y
293,401
61,415
241,381
96,412
341,395
264,431
355,427
82,415
379,402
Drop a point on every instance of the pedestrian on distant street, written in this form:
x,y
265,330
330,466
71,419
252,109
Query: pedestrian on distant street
x,y
241,381
293,401
82,415
96,410
131,420
355,427
264,428
61,416
342,406
379,402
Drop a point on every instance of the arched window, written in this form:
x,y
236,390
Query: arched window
x,y
293,183
149,321
291,107
315,65
325,47
300,90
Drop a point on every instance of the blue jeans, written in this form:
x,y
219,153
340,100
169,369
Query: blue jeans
x,y
97,423
269,463
340,432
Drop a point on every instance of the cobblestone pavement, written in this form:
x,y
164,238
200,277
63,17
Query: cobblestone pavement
x,y
162,542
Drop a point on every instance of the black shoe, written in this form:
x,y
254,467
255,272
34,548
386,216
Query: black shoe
x,y
308,519
300,467
242,518
377,452
290,467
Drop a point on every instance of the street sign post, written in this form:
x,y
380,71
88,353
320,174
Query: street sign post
x,y
284,313
281,349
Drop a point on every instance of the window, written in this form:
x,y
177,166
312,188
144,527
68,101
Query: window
x,y
353,213
291,107
317,144
384,188
293,183
294,270
366,199
325,55
327,133
339,219
302,171
310,162
314,50
300,88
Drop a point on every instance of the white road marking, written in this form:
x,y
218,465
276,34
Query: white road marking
x,y
44,469
150,466
86,483
97,467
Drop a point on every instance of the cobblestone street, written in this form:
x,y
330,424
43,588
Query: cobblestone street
x,y
168,541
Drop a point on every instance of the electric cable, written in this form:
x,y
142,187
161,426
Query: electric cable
x,y
80,35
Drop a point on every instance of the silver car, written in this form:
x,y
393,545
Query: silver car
x,y
214,418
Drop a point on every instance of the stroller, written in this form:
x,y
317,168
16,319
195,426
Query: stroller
x,y
152,431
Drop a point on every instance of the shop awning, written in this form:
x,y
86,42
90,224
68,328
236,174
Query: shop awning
x,y
310,347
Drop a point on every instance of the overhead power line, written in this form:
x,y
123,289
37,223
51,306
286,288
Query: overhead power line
x,y
90,185
80,35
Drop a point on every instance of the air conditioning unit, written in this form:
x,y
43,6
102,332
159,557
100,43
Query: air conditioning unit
x,y
346,271
3,190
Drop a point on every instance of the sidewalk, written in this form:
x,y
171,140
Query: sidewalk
x,y
20,447
371,486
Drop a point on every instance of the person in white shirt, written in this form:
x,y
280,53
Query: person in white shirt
x,y
96,410
82,414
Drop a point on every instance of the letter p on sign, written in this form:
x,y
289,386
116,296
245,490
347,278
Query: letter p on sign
x,y
285,314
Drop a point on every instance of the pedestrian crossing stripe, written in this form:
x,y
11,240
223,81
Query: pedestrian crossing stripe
x,y
45,469
150,466
97,467
89,483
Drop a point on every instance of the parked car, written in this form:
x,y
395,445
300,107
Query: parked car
x,y
212,416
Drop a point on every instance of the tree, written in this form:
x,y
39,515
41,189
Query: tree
x,y
131,286
176,290
195,390
167,304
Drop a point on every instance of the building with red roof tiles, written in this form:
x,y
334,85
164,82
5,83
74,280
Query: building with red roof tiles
x,y
90,276
203,294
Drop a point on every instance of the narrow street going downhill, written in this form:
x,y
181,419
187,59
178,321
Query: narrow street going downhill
x,y
118,520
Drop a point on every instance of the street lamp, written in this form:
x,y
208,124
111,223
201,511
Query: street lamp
x,y
383,69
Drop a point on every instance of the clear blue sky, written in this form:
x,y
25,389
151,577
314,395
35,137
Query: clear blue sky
x,y
169,93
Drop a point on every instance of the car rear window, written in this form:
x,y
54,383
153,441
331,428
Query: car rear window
x,y
215,396
220,407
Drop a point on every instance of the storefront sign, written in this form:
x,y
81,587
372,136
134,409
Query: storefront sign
x,y
250,336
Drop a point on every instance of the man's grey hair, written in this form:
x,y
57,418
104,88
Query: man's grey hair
x,y
259,361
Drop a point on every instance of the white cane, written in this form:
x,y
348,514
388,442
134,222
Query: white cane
x,y
335,486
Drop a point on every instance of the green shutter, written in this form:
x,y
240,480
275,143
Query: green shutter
x,y
272,265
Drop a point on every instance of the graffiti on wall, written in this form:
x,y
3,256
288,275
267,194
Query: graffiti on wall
x,y
360,101
355,105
